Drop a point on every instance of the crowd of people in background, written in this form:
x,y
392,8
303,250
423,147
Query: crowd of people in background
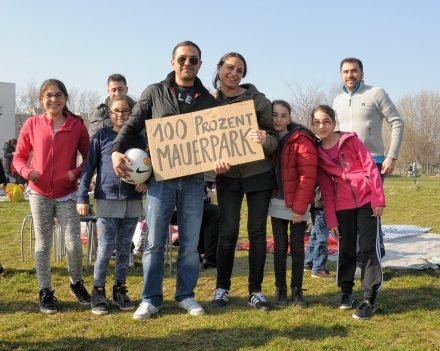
x,y
332,170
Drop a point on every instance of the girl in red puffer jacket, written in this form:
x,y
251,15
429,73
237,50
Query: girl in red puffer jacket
x,y
295,163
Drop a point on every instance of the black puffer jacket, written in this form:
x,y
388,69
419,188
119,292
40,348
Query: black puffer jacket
x,y
263,109
159,100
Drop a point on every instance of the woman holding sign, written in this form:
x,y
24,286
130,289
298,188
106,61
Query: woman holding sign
x,y
255,179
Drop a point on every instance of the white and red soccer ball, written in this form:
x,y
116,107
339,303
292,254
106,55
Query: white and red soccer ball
x,y
140,166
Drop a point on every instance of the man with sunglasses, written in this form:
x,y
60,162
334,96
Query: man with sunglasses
x,y
180,92
116,85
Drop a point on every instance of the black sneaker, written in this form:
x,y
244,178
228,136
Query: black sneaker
x,y
1,270
221,298
121,299
347,300
99,301
258,301
280,297
298,298
364,310
47,301
79,291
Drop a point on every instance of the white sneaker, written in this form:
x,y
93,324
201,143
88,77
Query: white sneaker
x,y
192,307
145,311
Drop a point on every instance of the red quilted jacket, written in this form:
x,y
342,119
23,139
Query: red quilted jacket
x,y
299,162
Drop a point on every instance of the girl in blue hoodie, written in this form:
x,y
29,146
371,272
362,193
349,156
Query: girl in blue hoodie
x,y
118,207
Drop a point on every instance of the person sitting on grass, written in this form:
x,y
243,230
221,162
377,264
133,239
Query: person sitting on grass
x,y
354,200
317,247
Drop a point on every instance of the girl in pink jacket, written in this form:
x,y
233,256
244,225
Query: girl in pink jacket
x,y
353,199
54,139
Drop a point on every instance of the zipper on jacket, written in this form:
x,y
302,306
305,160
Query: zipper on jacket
x,y
344,174
344,160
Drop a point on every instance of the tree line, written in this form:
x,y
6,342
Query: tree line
x,y
420,111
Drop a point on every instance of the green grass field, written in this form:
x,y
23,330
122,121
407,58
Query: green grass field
x,y
408,317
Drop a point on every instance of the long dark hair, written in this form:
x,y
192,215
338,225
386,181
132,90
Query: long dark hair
x,y
326,109
60,85
222,61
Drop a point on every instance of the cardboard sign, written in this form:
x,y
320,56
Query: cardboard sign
x,y
191,143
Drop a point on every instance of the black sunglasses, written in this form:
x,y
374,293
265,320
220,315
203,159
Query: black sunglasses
x,y
192,60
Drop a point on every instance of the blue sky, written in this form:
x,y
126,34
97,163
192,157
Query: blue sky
x,y
81,42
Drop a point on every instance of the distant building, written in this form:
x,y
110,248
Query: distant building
x,y
7,112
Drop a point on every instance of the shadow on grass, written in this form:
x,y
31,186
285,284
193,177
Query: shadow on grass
x,y
388,301
200,339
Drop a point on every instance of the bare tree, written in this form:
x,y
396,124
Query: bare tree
x,y
28,103
28,100
305,98
83,101
421,142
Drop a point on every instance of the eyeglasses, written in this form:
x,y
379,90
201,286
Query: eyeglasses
x,y
325,123
121,112
181,60
57,96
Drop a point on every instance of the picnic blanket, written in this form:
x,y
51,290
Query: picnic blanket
x,y
406,247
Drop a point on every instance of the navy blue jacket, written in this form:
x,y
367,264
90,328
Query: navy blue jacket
x,y
108,185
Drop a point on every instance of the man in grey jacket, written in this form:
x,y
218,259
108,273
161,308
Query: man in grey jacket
x,y
362,109
116,85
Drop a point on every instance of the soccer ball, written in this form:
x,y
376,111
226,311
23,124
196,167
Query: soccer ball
x,y
140,166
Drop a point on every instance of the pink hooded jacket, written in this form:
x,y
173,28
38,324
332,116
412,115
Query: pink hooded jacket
x,y
351,184
52,155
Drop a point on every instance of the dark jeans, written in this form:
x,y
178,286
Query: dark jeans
x,y
209,233
280,235
230,202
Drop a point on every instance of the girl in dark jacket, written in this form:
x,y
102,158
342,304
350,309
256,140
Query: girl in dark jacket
x,y
295,163
118,205
255,179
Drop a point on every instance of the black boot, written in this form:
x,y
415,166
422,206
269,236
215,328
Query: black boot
x,y
298,298
281,297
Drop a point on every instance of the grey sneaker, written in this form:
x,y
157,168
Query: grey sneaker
x,y
121,299
221,298
347,300
191,306
99,301
145,310
364,310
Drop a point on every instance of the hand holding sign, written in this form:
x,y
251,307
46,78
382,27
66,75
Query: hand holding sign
x,y
221,166
205,140
259,136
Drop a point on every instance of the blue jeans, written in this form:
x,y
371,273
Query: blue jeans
x,y
113,233
185,194
317,251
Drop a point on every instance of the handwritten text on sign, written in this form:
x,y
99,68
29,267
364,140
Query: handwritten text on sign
x,y
191,143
